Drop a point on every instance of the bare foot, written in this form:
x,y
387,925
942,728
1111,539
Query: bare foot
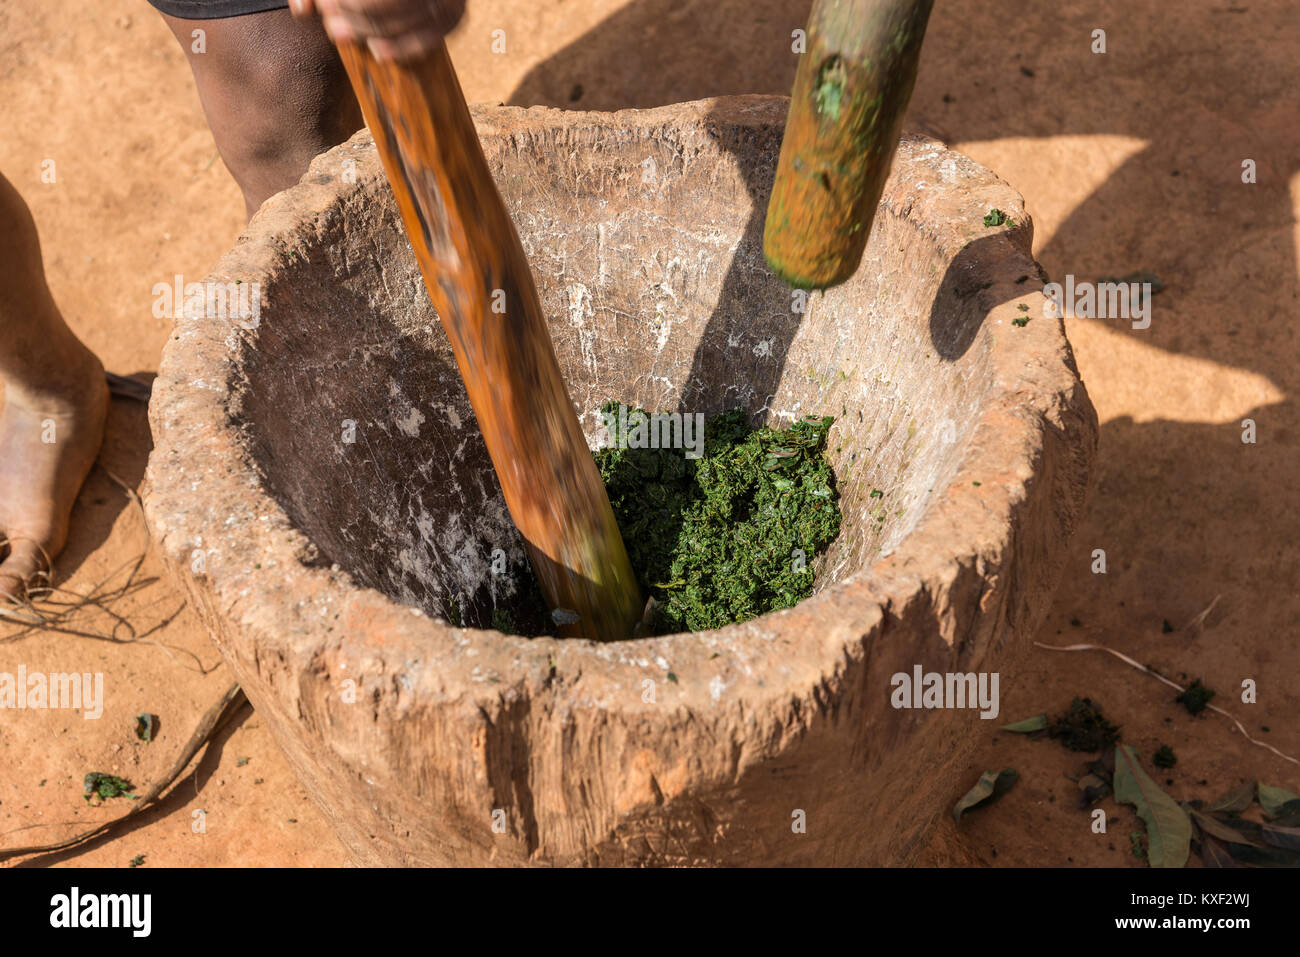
x,y
47,446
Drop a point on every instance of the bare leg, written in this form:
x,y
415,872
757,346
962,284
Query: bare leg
x,y
275,94
55,403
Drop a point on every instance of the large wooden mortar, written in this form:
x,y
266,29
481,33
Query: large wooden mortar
x,y
321,489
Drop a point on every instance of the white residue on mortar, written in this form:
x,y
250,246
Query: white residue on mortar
x,y
462,549
668,389
579,312
416,564
450,413
716,687
601,264
667,298
409,421
663,327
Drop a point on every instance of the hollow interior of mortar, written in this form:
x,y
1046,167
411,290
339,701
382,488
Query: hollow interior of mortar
x,y
657,294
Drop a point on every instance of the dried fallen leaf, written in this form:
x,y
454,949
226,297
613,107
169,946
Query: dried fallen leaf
x,y
1225,831
1214,854
1288,815
1287,838
991,786
1236,800
1169,829
1037,723
1272,799
1264,856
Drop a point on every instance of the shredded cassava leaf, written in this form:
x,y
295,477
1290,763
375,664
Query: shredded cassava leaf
x,y
730,535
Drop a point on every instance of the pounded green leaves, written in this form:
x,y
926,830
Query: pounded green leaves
x,y
730,535
105,786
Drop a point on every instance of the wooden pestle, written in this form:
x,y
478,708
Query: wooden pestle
x,y
850,93
478,279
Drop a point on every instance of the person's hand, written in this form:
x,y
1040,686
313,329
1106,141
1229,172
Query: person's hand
x,y
392,29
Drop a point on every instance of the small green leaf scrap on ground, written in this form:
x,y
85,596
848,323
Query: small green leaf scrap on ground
x,y
995,217
1169,829
1028,726
137,860
991,786
145,726
106,786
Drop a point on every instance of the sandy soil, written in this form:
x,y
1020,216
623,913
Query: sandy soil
x,y
1128,161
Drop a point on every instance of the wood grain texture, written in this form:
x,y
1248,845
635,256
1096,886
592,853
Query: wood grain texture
x,y
478,279
850,93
